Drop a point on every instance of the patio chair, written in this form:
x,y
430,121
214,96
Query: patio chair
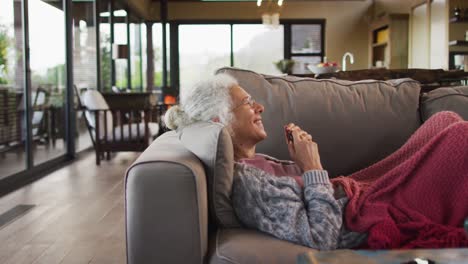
x,y
110,130
39,120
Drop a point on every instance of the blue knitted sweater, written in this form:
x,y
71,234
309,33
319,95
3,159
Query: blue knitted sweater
x,y
311,217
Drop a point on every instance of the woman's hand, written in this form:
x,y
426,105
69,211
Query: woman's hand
x,y
303,150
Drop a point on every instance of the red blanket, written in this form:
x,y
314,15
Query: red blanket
x,y
418,196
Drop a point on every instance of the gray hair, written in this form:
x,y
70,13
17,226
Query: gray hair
x,y
205,101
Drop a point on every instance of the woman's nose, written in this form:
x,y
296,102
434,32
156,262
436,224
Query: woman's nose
x,y
259,108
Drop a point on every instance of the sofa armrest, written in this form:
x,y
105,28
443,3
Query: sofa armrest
x,y
166,205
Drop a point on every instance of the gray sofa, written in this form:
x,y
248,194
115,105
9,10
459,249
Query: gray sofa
x,y
168,219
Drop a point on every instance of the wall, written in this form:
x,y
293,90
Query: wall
x,y
346,21
439,35
394,6
419,38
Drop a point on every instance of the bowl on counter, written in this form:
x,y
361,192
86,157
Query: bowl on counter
x,y
321,70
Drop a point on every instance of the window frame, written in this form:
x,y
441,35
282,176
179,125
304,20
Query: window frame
x,y
286,23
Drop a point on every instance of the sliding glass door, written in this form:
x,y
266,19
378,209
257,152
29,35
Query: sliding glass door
x,y
48,79
12,122
41,125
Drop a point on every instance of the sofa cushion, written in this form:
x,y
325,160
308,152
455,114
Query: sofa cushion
x,y
135,131
445,99
93,100
354,123
249,246
212,144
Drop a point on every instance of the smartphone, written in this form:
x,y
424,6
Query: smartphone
x,y
289,135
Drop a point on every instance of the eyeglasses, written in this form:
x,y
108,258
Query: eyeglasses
x,y
247,101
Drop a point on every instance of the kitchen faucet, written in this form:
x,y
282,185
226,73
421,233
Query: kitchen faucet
x,y
343,62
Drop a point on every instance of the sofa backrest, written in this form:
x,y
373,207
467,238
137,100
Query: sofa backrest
x,y
453,99
354,123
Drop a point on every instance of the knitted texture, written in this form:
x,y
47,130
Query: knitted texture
x,y
418,196
280,207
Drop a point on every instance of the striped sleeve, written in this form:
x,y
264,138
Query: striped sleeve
x,y
324,212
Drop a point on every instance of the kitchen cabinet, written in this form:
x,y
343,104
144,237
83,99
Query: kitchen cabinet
x,y
388,42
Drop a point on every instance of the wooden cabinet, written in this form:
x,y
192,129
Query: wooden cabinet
x,y
388,42
464,41
458,46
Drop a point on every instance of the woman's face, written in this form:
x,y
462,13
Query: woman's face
x,y
247,125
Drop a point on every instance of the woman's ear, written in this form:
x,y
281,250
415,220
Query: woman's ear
x,y
215,119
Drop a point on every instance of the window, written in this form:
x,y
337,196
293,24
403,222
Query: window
x,y
105,46
257,47
245,45
84,63
306,46
200,53
136,56
120,38
158,53
306,39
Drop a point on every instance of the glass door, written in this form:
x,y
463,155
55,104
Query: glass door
x,y
48,79
12,122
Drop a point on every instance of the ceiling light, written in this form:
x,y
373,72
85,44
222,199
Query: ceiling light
x,y
270,16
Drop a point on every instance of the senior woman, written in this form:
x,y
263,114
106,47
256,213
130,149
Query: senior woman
x,y
291,200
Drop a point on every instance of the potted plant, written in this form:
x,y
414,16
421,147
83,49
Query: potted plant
x,y
285,65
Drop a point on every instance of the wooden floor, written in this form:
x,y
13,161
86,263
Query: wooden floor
x,y
78,217
13,159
